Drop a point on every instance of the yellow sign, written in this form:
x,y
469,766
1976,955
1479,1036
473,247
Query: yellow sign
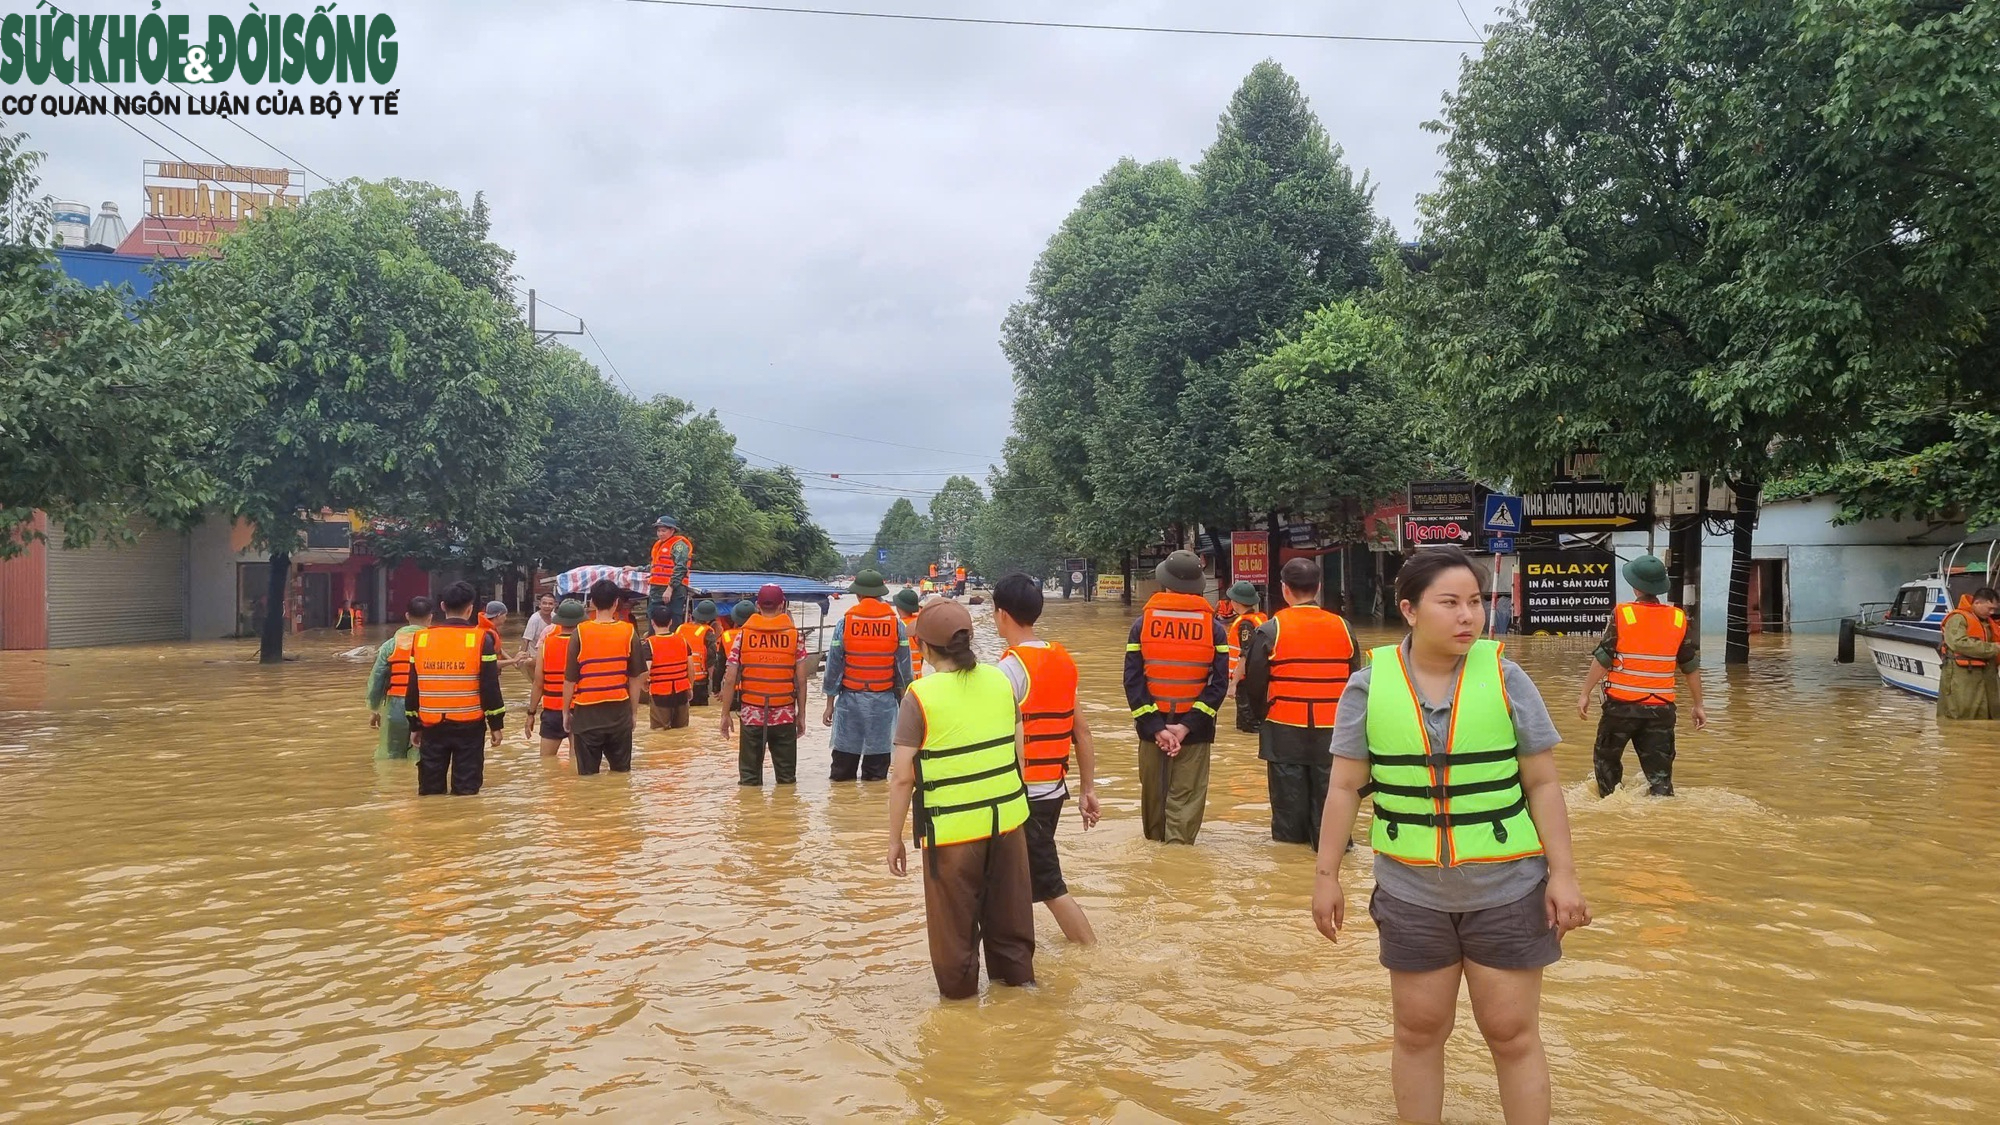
x,y
1110,583
183,190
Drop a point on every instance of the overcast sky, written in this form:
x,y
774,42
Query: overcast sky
x,y
810,220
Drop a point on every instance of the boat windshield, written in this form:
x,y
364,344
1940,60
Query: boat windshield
x,y
1912,602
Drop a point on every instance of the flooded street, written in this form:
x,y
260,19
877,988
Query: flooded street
x,y
219,908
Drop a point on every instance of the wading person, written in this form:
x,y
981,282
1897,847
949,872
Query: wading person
x,y
1295,669
491,620
1969,664
704,651
601,685
454,703
958,757
548,666
908,602
767,679
1474,878
1176,674
1644,644
1043,677
670,684
539,622
389,682
867,670
1237,625
673,563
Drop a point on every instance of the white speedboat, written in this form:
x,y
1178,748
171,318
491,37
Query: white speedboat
x,y
1903,636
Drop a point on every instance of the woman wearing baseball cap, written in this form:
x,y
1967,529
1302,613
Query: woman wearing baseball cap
x,y
959,734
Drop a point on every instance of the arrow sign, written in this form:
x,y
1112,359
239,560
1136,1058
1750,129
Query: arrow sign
x,y
1504,514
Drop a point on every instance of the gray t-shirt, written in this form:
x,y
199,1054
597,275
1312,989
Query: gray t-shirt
x,y
1470,886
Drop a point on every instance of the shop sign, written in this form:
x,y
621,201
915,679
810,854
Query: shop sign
x,y
1443,497
1438,531
1566,593
1578,508
1250,556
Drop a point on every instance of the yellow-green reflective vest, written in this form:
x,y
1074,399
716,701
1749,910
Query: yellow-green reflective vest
x,y
968,779
1465,805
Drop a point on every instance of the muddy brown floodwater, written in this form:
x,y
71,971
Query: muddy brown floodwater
x,y
219,908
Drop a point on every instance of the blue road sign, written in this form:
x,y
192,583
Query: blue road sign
x,y
1500,544
881,554
1504,514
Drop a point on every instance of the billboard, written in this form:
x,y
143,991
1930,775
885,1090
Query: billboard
x,y
190,206
1250,556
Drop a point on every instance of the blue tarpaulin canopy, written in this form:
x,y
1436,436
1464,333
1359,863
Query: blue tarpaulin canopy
x,y
722,585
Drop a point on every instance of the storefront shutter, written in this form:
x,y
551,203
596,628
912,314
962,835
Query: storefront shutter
x,y
108,594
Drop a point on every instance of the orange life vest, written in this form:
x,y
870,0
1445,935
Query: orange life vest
x,y
696,636
959,575
729,642
916,649
767,666
1048,714
555,664
1978,630
1648,648
669,664
446,661
1239,632
399,666
486,625
1177,643
1311,659
663,558
603,662
868,643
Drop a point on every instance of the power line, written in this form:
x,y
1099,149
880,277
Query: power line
x,y
916,17
831,433
267,144
605,354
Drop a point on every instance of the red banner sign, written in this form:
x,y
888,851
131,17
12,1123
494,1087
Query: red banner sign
x,y
1438,531
1249,556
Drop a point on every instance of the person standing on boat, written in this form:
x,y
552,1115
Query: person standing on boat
x,y
1645,643
1969,668
1475,881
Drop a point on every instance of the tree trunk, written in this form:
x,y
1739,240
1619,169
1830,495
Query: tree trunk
x,y
271,648
1736,646
1125,568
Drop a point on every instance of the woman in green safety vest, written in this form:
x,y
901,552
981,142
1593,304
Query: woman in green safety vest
x,y
1473,874
958,757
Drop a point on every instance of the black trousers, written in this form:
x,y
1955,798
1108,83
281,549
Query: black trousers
x,y
1298,797
700,689
593,748
783,743
1650,730
870,767
457,749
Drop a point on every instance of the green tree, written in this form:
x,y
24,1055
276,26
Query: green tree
x,y
910,539
107,410
394,382
1016,530
1278,227
1060,343
1325,428
1573,294
954,509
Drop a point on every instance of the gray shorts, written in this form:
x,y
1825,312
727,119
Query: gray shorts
x,y
1417,939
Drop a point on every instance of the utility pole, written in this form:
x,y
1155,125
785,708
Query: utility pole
x,y
544,335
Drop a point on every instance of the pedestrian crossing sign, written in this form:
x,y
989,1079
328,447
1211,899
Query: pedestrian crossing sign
x,y
1503,513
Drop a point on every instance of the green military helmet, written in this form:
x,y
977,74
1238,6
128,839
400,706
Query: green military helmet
x,y
704,611
741,612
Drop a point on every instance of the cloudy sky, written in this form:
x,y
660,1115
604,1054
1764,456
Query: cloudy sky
x,y
811,223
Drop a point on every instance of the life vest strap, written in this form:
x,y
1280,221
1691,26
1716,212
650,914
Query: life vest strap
x,y
1448,820
996,771
1444,761
932,812
1446,792
952,751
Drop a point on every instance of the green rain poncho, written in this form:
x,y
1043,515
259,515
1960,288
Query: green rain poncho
x,y
395,740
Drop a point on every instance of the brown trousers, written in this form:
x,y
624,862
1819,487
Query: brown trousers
x,y
1173,792
667,714
977,893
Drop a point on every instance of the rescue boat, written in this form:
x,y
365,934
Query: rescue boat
x,y
1902,636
